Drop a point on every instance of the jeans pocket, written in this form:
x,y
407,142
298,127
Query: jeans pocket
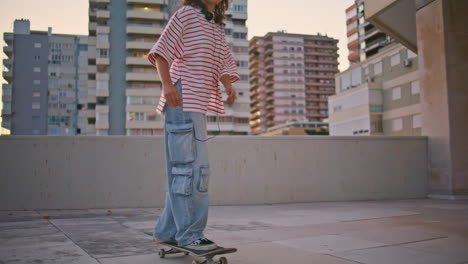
x,y
180,141
203,179
182,179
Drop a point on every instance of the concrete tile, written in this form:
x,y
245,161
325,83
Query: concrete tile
x,y
140,225
393,235
451,246
298,220
53,249
395,254
147,259
449,206
103,237
25,228
328,244
273,253
18,216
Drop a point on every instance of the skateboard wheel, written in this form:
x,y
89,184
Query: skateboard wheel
x,y
186,253
162,253
223,260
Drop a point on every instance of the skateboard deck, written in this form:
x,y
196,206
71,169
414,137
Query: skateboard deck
x,y
208,255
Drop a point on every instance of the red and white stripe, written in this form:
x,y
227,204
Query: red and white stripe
x,y
198,54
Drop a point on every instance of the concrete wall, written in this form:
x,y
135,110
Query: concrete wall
x,y
69,172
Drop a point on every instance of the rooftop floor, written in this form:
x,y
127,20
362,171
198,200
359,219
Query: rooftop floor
x,y
378,232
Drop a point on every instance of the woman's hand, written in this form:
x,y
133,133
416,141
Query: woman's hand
x,y
232,95
172,95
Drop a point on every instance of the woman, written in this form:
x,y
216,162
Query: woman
x,y
191,56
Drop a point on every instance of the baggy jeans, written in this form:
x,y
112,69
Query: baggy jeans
x,y
186,210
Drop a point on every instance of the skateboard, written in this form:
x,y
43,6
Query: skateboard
x,y
208,255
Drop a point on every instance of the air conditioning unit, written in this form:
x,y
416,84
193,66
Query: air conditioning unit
x,y
369,79
407,63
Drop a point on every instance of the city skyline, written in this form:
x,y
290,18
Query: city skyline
x,y
305,17
324,19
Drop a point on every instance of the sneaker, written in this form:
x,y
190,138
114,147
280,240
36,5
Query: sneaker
x,y
157,241
202,244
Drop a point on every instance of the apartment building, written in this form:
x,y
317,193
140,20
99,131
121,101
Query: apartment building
x,y
46,78
379,96
124,88
364,40
292,76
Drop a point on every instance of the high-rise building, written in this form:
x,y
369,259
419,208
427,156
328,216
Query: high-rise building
x,y
124,88
379,96
46,75
292,76
364,40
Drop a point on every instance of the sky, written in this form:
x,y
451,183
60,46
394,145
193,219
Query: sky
x,y
294,16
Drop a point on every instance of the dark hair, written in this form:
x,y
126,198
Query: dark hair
x,y
220,9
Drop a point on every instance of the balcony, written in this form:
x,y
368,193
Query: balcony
x,y
102,109
8,75
137,61
102,92
144,29
102,61
102,124
102,14
102,30
137,14
149,2
8,50
8,37
92,26
142,76
140,45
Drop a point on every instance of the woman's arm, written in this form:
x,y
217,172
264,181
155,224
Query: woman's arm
x,y
169,90
231,92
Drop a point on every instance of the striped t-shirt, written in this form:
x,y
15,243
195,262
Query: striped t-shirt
x,y
198,53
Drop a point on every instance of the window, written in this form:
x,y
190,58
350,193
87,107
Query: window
x,y
37,69
396,93
417,121
415,87
37,45
37,82
37,57
376,108
36,94
36,105
395,60
378,68
397,124
36,131
36,117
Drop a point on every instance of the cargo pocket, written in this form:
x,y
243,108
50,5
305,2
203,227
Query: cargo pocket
x,y
203,179
180,141
182,178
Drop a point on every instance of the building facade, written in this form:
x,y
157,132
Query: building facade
x,y
292,76
379,96
123,91
364,40
46,75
